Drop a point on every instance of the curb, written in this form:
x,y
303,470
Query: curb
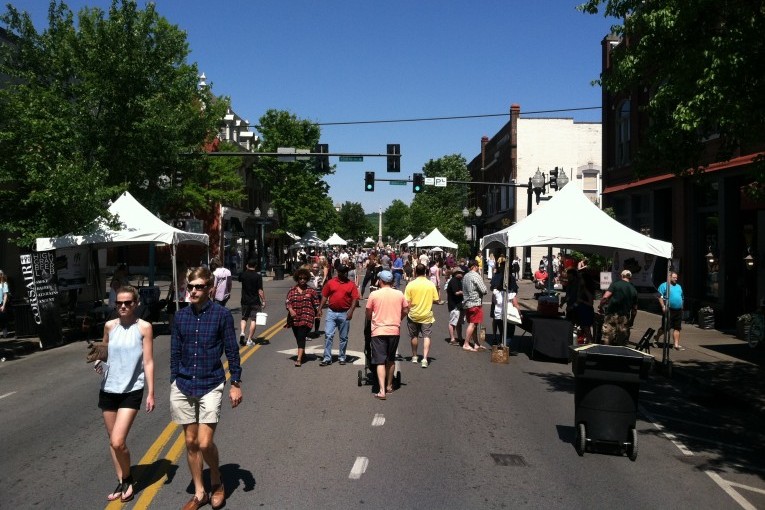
x,y
14,348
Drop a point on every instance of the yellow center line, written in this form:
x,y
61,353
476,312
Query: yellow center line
x,y
176,450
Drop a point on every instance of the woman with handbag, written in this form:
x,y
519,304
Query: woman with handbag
x,y
129,369
302,307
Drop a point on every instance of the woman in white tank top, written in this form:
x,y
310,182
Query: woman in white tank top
x,y
128,370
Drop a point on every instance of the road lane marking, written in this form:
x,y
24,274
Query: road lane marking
x,y
149,492
378,420
7,394
358,468
725,485
318,350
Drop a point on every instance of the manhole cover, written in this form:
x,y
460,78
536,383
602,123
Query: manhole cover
x,y
505,459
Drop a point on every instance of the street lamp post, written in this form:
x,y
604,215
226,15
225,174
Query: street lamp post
x,y
478,221
263,222
537,186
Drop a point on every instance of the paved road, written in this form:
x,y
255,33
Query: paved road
x,y
463,433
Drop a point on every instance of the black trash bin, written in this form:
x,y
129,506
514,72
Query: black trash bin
x,y
607,382
279,272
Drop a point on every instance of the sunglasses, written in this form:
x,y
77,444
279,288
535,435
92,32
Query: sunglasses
x,y
197,286
124,303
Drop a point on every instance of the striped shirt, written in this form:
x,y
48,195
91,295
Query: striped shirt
x,y
198,342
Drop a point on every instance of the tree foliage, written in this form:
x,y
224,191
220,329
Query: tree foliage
x,y
701,61
442,207
298,190
352,223
94,108
397,222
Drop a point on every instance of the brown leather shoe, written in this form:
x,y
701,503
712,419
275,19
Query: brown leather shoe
x,y
217,496
195,503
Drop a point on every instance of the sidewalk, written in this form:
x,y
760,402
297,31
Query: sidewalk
x,y
720,363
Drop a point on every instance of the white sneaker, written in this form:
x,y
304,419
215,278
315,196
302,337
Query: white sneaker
x,y
414,359
250,342
424,363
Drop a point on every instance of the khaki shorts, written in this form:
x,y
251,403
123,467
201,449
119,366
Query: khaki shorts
x,y
205,409
421,329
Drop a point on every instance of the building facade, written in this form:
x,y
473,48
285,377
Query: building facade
x,y
717,231
515,153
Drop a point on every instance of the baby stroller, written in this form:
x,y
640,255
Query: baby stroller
x,y
368,376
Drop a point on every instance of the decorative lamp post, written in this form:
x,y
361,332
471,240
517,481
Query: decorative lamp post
x,y
263,222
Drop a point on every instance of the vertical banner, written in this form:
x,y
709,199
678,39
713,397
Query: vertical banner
x,y
39,272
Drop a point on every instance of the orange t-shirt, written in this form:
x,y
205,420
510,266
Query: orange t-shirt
x,y
387,305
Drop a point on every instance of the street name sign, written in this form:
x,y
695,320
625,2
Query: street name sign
x,y
351,159
439,181
397,183
428,181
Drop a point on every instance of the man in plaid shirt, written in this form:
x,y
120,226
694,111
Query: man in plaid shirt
x,y
201,333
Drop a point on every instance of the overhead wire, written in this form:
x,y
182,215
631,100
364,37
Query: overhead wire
x,y
452,117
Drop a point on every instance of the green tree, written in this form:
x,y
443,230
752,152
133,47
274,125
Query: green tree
x,y
396,221
442,207
701,62
352,223
94,108
297,189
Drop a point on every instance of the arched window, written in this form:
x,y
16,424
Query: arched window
x,y
623,134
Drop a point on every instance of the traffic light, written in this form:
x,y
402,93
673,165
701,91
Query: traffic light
x,y
369,181
321,163
394,157
418,183
554,179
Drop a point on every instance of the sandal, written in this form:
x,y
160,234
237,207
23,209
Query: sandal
x,y
480,348
116,493
453,342
469,349
389,390
380,397
127,484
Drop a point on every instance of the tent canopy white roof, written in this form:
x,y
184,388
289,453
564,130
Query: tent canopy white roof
x,y
309,239
368,240
571,220
336,240
406,240
435,238
138,226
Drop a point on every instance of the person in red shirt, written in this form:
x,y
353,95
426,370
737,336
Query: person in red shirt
x,y
540,277
339,295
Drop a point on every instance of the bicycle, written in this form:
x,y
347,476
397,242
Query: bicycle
x,y
756,329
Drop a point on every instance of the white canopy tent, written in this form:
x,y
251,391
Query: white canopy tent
x,y
138,226
336,240
435,239
571,220
406,240
309,239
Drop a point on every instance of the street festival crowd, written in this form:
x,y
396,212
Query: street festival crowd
x,y
333,283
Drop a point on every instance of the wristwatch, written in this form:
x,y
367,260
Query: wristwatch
x,y
236,384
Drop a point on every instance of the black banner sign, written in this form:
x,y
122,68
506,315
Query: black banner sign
x,y
39,272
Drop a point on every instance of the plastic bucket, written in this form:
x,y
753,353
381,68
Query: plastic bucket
x,y
261,318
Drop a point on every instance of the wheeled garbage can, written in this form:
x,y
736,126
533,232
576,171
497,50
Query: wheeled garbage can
x,y
607,382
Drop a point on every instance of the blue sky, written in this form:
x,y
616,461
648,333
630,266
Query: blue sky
x,y
354,60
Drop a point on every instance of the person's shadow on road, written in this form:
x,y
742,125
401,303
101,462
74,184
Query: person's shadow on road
x,y
231,475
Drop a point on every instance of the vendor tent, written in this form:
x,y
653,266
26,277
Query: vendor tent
x,y
435,238
406,240
138,225
571,220
336,240
309,239
368,240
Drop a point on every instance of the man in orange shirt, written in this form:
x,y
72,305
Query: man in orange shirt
x,y
386,308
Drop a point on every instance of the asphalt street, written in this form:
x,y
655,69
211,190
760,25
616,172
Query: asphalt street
x,y
463,433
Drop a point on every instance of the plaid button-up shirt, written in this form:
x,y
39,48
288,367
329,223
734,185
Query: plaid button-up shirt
x,y
198,342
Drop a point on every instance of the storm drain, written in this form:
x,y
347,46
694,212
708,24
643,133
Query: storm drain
x,y
506,459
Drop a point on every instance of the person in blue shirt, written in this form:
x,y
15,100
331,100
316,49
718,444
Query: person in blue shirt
x,y
398,272
201,333
675,301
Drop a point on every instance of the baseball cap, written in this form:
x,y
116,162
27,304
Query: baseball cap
x,y
385,276
626,273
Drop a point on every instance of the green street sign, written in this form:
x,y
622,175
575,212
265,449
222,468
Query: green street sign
x,y
351,159
397,183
